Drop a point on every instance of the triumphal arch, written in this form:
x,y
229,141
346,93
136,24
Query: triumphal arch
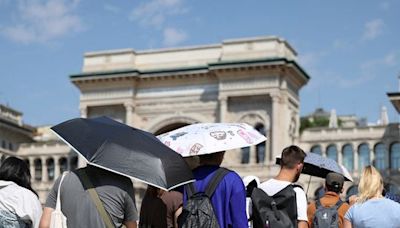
x,y
254,80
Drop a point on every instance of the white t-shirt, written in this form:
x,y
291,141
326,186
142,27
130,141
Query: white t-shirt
x,y
20,201
273,186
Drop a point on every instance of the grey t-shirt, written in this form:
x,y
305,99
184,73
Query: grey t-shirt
x,y
115,191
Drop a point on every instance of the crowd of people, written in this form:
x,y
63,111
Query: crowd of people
x,y
217,198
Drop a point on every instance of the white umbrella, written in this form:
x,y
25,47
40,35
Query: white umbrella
x,y
207,138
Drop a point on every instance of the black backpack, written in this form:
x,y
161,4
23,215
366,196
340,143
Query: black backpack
x,y
279,210
198,211
326,216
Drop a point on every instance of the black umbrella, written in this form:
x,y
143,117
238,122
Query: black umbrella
x,y
319,166
125,150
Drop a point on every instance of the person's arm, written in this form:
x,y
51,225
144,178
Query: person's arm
x,y
130,224
347,224
49,206
176,215
302,224
46,217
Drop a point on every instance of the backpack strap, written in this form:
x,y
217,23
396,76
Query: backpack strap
x,y
58,203
218,176
190,189
338,204
95,197
318,203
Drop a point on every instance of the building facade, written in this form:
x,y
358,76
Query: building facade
x,y
255,80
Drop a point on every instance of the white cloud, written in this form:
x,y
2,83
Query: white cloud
x,y
174,36
42,21
154,13
373,29
111,8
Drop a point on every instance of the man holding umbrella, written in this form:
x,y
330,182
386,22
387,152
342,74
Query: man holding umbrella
x,y
223,187
101,195
115,192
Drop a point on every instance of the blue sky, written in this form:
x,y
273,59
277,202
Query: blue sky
x,y
350,49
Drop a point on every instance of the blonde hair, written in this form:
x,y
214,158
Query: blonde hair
x,y
371,184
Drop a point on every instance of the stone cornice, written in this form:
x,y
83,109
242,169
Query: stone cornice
x,y
221,66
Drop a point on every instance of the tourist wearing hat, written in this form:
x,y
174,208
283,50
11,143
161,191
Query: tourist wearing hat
x,y
333,187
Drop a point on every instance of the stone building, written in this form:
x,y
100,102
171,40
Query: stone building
x,y
254,80
13,131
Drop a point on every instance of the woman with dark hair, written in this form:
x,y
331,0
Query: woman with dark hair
x,y
19,203
160,209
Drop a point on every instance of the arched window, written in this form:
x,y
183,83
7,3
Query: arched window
x,y
260,148
395,156
38,169
363,156
245,155
63,165
73,163
348,157
316,149
380,156
331,152
50,168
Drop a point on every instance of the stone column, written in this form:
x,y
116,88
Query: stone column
x,y
355,157
223,108
56,167
45,176
275,124
129,113
32,168
371,153
339,153
252,155
83,111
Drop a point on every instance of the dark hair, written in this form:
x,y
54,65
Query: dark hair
x,y
16,170
291,156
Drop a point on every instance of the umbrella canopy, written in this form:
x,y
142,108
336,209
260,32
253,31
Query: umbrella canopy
x,y
319,166
125,150
207,138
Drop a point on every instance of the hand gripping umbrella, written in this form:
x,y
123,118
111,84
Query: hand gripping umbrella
x,y
125,150
207,138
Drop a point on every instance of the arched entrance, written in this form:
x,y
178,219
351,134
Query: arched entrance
x,y
170,127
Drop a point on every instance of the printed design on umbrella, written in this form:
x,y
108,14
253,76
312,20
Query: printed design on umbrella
x,y
194,150
245,136
177,135
218,135
206,138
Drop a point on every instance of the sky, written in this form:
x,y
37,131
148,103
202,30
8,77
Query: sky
x,y
350,49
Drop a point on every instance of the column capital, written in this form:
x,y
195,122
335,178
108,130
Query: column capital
x,y
83,111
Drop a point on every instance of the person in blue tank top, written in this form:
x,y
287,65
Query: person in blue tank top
x,y
371,209
229,198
